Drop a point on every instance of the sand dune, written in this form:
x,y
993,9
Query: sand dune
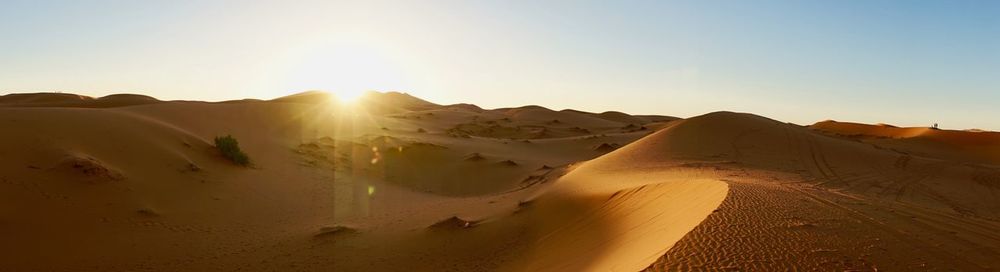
x,y
803,200
959,146
397,183
72,100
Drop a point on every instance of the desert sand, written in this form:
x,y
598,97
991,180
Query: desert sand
x,y
396,183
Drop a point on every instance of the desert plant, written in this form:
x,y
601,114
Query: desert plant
x,y
230,149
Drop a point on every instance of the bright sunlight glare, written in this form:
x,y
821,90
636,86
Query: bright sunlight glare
x,y
347,96
347,70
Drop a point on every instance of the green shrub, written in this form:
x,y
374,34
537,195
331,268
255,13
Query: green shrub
x,y
230,149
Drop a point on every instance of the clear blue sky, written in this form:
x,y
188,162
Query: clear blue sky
x,y
901,62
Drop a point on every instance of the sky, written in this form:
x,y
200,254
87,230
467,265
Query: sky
x,y
909,63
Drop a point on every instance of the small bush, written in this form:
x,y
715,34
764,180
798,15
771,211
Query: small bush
x,y
230,149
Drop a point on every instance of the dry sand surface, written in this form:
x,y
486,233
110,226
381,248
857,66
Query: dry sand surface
x,y
396,183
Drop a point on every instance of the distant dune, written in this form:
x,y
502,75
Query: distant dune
x,y
975,146
72,100
397,183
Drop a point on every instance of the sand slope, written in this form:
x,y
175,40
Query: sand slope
x,y
626,219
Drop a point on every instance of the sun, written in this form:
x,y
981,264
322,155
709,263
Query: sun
x,y
347,96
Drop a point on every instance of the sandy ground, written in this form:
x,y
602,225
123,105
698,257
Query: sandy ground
x,y
395,183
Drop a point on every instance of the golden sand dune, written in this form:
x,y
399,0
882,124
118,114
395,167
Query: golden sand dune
x,y
396,183
804,200
974,146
